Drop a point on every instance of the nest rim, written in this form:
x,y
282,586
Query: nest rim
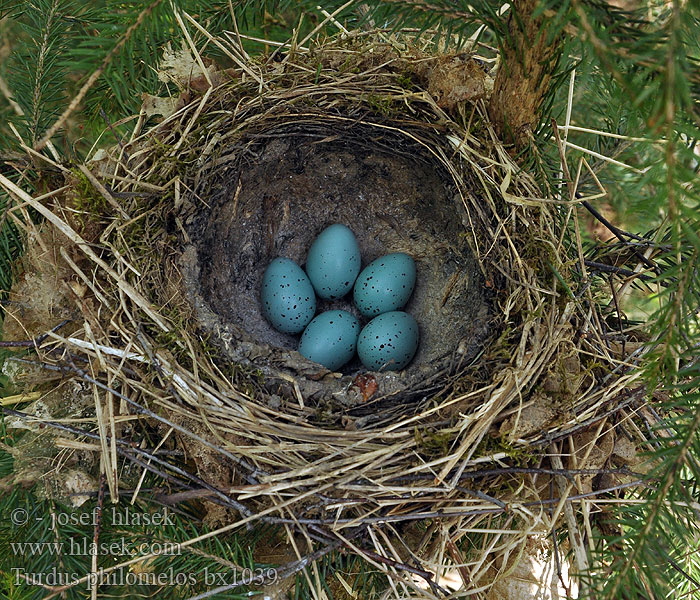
x,y
279,449
279,362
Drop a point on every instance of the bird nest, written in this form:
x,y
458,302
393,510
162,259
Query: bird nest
x,y
450,465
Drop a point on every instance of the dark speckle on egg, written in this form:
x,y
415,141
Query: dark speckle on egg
x,y
330,339
385,284
333,262
291,306
388,342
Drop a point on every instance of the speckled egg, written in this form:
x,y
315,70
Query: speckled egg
x,y
333,262
288,299
385,284
330,339
388,342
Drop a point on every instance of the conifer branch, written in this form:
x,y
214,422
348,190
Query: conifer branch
x,y
654,508
530,57
44,47
94,77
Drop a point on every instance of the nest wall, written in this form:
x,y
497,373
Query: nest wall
x,y
350,455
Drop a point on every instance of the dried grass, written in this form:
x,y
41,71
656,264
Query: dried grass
x,y
441,467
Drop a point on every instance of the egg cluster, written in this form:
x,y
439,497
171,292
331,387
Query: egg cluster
x,y
387,342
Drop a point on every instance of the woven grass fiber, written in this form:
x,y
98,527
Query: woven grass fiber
x,y
443,475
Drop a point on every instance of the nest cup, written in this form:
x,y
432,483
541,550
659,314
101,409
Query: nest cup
x,y
277,188
252,164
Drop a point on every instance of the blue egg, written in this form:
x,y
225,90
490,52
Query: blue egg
x,y
330,339
288,299
385,284
333,262
388,342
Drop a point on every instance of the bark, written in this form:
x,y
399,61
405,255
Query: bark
x,y
528,61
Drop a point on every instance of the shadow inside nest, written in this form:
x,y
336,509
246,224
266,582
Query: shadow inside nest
x,y
274,192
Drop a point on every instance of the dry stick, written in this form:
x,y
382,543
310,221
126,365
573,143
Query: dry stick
x,y
619,270
119,139
564,164
103,191
404,567
615,230
235,29
70,233
467,512
127,450
481,496
36,342
244,510
634,395
685,574
94,77
572,196
557,562
252,476
76,370
143,473
288,571
98,526
619,316
568,473
619,234
459,561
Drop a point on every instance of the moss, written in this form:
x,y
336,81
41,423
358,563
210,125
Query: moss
x,y
88,198
541,256
502,347
384,105
432,442
349,66
405,80
90,206
248,380
520,455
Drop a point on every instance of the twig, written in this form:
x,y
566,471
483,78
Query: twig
x,y
618,310
482,496
557,560
404,567
569,473
76,370
620,235
289,570
94,77
119,139
613,269
98,526
459,562
632,396
128,450
36,342
467,512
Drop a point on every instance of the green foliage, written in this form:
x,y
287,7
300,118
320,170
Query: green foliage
x,y
636,75
11,245
50,545
365,580
58,44
639,78
41,539
36,69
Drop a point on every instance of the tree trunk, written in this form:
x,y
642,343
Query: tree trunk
x,y
529,57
